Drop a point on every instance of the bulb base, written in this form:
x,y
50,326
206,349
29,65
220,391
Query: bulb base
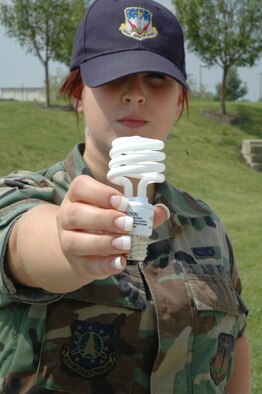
x,y
138,249
142,213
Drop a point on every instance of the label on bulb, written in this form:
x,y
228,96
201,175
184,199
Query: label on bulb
x,y
142,214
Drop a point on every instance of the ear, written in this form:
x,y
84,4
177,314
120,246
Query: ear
x,y
77,104
180,103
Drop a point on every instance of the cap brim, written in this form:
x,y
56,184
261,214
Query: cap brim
x,y
104,69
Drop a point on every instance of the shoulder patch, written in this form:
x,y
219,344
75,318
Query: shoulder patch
x,y
220,362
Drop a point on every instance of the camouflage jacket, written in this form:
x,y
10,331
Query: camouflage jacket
x,y
167,325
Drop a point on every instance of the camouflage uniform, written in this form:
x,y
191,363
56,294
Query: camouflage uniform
x,y
167,325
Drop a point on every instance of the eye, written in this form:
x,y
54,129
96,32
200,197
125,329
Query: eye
x,y
157,76
157,79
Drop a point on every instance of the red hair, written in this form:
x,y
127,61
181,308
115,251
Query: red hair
x,y
72,86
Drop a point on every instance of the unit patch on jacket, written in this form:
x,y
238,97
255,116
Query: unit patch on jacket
x,y
220,362
90,352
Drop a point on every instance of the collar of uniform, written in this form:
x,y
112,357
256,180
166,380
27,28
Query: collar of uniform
x,y
180,202
75,164
177,201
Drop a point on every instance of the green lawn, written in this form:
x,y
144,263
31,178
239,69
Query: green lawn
x,y
203,158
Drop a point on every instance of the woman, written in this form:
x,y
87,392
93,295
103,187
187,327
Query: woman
x,y
76,316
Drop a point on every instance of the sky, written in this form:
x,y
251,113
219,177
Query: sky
x,y
20,69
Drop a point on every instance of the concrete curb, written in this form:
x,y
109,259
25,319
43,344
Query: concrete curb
x,y
252,153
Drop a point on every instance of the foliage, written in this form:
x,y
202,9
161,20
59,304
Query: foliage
x,y
222,32
235,89
44,28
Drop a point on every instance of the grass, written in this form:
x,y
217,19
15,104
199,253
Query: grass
x,y
203,158
34,137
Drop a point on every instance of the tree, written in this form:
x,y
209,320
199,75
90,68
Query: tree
x,y
54,83
222,32
44,28
235,89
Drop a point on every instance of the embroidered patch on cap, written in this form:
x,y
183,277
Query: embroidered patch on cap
x,y
138,24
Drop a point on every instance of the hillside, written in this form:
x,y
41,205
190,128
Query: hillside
x,y
203,158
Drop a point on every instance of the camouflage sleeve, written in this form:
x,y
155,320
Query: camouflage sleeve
x,y
233,268
20,192
236,281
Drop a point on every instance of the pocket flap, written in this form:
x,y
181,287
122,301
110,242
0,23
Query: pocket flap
x,y
215,293
125,289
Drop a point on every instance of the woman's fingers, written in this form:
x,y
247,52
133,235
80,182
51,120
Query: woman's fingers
x,y
79,216
94,229
98,267
76,243
88,190
161,214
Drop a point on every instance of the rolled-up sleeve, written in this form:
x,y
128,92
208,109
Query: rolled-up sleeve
x,y
20,192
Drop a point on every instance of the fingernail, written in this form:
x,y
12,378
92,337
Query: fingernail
x,y
119,202
122,243
116,263
165,209
124,223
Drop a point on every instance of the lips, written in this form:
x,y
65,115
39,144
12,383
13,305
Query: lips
x,y
133,121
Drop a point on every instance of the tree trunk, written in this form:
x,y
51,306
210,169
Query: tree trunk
x,y
47,84
223,91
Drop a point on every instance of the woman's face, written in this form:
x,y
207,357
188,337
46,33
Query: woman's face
x,y
141,104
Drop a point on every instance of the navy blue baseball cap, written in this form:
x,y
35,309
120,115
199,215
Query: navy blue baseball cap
x,y
116,38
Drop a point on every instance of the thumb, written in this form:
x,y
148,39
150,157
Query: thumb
x,y
161,214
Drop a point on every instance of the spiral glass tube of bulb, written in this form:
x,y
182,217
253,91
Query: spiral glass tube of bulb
x,y
139,158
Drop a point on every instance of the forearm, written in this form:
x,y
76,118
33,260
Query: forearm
x,y
34,256
239,382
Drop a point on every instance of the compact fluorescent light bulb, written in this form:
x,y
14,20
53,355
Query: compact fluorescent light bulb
x,y
137,157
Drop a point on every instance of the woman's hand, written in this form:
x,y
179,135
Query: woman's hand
x,y
93,228
61,248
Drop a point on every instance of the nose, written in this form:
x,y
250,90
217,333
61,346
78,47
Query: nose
x,y
134,92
